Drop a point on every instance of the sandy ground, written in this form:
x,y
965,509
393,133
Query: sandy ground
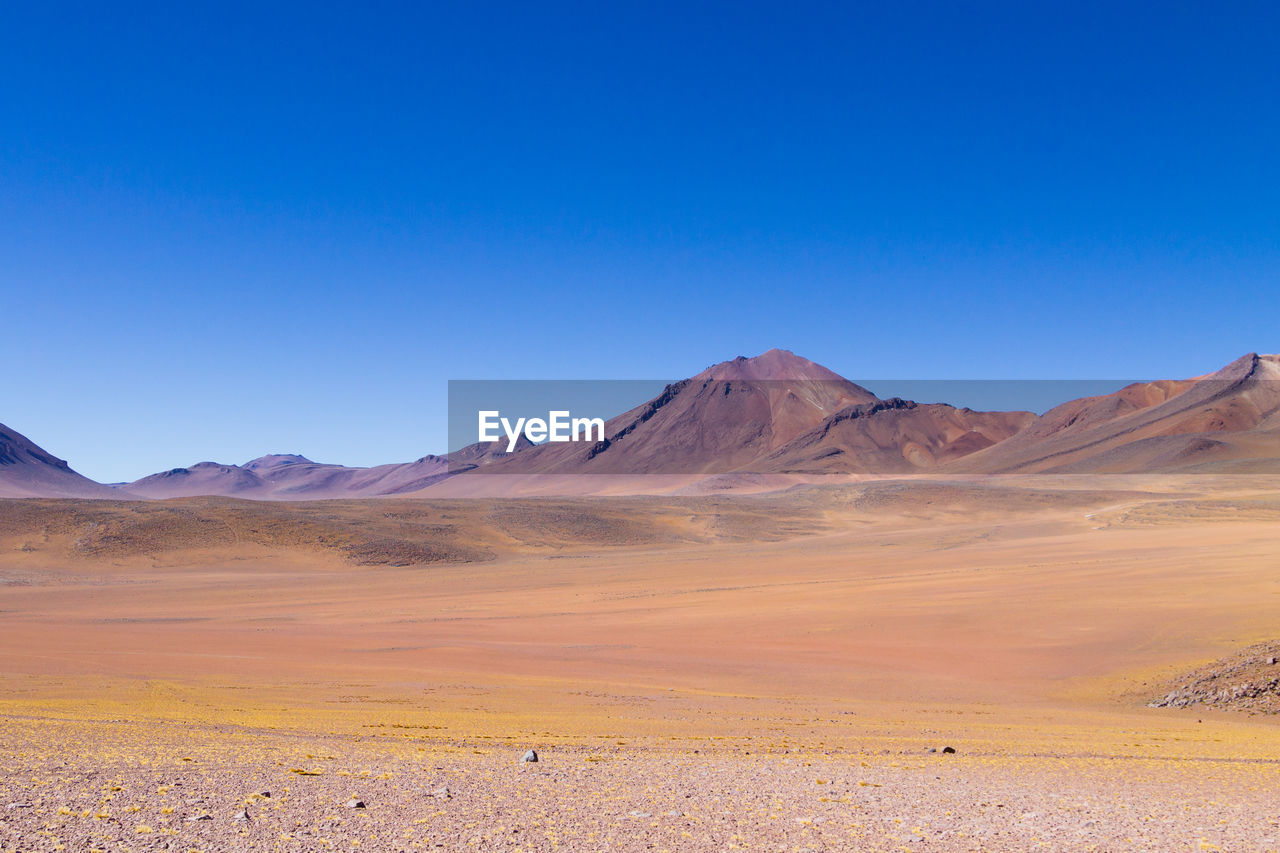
x,y
753,672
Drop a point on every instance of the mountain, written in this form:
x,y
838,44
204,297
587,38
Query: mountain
x,y
726,418
893,437
203,478
759,421
276,460
27,470
1226,421
290,477
781,414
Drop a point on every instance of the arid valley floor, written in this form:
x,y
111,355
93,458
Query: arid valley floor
x,y
775,672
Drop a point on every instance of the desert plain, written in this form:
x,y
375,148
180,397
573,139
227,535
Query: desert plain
x,y
781,671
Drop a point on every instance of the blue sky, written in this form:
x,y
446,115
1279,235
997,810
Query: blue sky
x,y
227,230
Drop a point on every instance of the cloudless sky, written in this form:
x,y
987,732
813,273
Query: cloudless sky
x,y
228,230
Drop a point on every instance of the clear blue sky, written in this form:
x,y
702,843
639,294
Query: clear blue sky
x,y
231,230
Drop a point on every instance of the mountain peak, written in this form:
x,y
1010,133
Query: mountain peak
x,y
276,460
776,364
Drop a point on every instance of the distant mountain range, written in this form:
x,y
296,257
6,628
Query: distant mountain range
x,y
289,477
775,414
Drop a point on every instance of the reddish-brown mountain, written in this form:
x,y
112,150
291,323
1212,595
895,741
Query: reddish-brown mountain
x,y
1228,420
726,418
893,437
